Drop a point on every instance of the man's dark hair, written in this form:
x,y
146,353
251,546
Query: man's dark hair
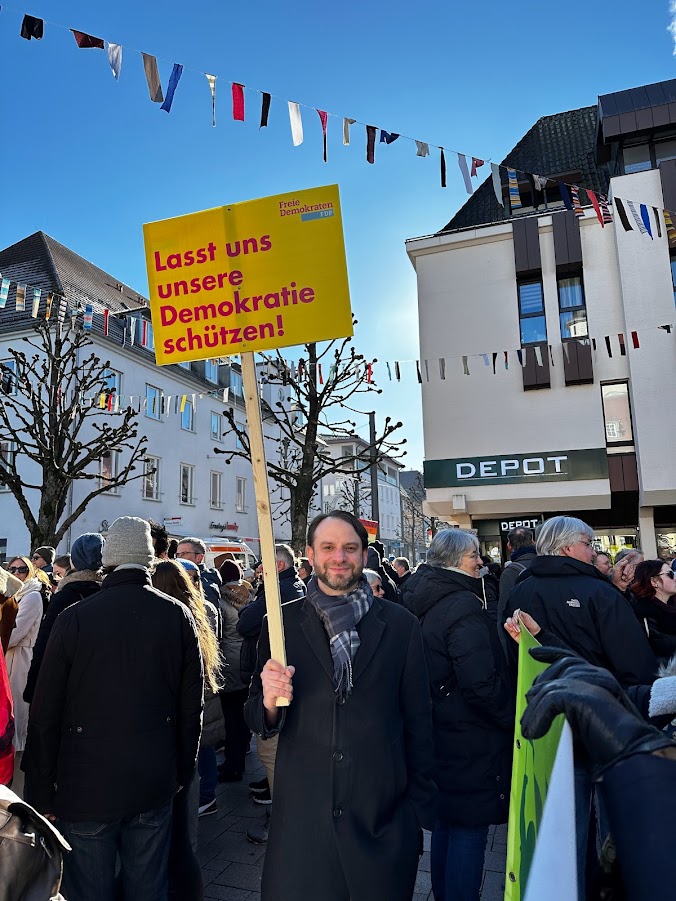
x,y
304,563
520,537
160,538
346,517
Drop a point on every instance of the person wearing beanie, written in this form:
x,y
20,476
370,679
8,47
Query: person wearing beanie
x,y
123,669
43,558
84,581
230,571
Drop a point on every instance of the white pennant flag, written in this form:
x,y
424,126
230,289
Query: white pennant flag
x,y
296,123
497,183
115,58
212,85
640,224
346,129
423,148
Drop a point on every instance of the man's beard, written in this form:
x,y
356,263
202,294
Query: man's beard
x,y
344,582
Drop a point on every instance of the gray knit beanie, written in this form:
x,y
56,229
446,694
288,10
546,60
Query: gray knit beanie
x,y
47,553
128,541
86,551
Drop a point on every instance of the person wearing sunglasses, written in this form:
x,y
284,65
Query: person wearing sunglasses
x,y
654,601
20,651
375,582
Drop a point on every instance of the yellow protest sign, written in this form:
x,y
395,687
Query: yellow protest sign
x,y
248,277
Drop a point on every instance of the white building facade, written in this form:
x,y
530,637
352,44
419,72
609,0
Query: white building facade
x,y
580,421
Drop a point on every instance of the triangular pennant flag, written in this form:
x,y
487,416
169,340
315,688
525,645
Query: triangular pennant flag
x,y
174,79
565,196
645,216
476,164
423,149
88,317
211,79
538,355
486,360
86,41
462,163
442,369
597,208
265,109
671,230
237,101
427,371
658,224
387,137
566,352
115,59
369,373
32,28
152,77
620,341
48,310
144,334
506,359
608,346
417,369
442,161
36,302
605,209
551,354
389,371
346,129
577,206
634,340
370,143
132,330
622,213
184,401
296,123
319,373
637,217
397,371
519,356
495,362
514,196
497,183
4,292
20,298
465,365
324,119
666,328
540,182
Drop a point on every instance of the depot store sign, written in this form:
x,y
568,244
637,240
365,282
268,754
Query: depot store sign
x,y
251,276
543,466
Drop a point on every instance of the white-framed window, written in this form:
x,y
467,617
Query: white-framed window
x,y
188,417
109,469
329,490
151,479
187,483
153,402
241,495
215,496
185,364
7,455
211,371
242,427
8,377
112,380
236,384
216,426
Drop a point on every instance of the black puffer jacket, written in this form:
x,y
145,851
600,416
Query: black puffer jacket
x,y
582,607
472,699
659,623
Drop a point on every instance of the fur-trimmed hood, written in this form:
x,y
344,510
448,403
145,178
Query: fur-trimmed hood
x,y
80,575
667,669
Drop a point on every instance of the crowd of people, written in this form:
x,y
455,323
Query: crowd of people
x,y
128,666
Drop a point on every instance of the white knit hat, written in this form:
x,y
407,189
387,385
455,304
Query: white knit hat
x,y
128,541
9,584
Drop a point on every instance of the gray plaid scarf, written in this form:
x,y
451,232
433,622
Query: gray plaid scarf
x,y
340,615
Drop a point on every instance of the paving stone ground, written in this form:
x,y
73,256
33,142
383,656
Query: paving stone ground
x,y
232,866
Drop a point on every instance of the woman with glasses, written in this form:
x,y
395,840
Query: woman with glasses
x,y
375,582
20,651
654,602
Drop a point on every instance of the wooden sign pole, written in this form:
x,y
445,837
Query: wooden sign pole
x,y
262,491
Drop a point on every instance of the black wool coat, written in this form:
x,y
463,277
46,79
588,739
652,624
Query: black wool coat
x,y
352,780
584,609
473,699
116,717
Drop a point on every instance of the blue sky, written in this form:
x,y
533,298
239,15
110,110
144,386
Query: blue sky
x,y
89,160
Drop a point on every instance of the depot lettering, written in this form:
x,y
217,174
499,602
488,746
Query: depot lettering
x,y
517,467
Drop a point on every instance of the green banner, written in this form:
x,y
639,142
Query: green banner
x,y
531,771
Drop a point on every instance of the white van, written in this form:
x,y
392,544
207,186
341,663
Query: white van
x,y
234,549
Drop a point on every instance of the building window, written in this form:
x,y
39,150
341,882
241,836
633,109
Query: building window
x,y
7,456
109,469
242,428
532,323
151,479
187,483
236,384
636,158
572,307
665,150
216,432
211,371
617,413
241,495
148,335
3,550
153,402
215,500
8,377
188,417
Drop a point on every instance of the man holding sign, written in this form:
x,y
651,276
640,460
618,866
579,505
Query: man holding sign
x,y
352,778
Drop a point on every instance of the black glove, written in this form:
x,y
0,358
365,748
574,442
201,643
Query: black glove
x,y
605,728
564,663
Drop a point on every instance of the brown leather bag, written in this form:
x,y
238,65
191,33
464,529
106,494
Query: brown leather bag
x,y
31,852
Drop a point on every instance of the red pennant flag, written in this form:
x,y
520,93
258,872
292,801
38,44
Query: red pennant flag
x,y
476,164
110,403
106,314
144,334
597,207
369,373
238,101
324,117
634,340
319,370
85,41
